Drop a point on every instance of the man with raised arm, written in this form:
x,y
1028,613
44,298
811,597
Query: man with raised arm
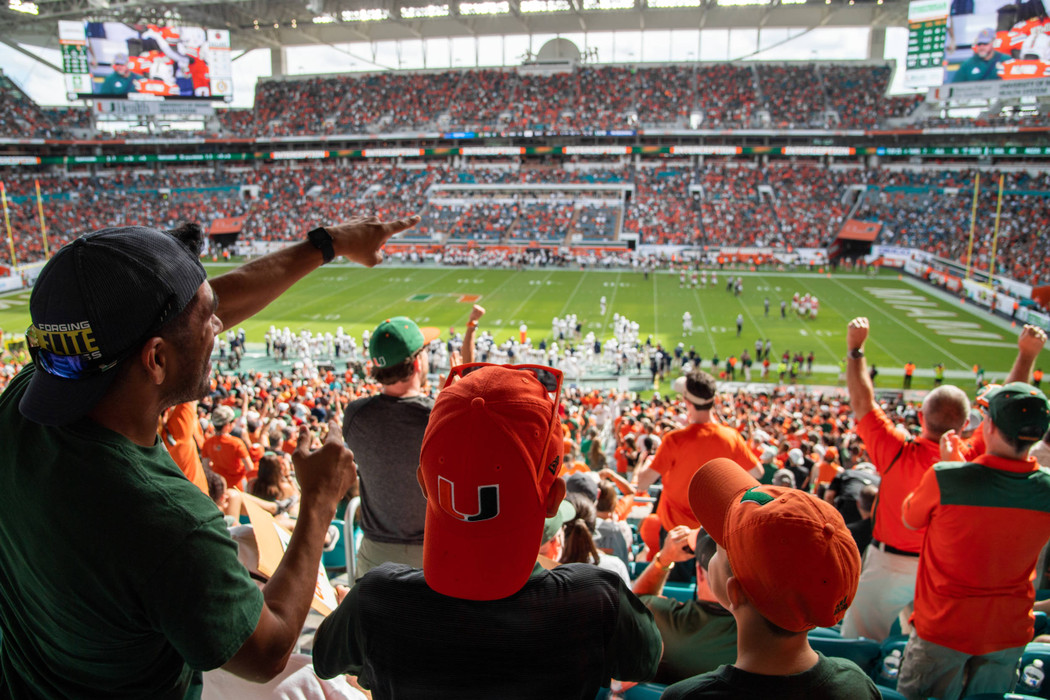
x,y
117,575
887,582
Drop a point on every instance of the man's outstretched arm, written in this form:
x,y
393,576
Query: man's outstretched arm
x,y
248,289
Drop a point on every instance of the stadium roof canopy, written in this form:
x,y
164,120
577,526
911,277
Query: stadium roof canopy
x,y
277,23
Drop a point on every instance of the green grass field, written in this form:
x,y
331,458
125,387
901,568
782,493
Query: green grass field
x,y
909,323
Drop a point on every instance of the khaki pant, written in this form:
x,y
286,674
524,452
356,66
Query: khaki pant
x,y
887,584
931,670
372,554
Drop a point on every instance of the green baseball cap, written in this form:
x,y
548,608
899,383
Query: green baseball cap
x,y
1019,410
397,339
551,525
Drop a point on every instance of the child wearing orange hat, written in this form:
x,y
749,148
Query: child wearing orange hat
x,y
785,564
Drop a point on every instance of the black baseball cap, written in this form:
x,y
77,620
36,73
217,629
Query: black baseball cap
x,y
94,303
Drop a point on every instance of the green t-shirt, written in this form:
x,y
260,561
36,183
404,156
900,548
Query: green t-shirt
x,y
696,640
829,679
117,84
976,68
118,577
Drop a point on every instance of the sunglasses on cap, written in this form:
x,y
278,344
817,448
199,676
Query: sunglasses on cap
x,y
549,377
67,366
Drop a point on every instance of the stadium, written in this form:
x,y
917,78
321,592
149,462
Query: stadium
x,y
812,237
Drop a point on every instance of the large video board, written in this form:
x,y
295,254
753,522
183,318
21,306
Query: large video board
x,y
145,61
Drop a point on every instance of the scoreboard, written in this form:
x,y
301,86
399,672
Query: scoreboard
x,y
927,32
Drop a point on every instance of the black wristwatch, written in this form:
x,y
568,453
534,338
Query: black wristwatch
x,y
855,354
321,240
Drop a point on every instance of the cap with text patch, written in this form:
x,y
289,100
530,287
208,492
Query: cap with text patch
x,y
93,304
790,551
491,451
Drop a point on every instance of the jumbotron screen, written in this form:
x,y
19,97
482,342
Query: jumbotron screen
x,y
113,60
963,41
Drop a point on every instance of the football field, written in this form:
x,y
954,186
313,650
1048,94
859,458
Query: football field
x,y
909,321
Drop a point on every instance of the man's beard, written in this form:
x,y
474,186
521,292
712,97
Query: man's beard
x,y
193,383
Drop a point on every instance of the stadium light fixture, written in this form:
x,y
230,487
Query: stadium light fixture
x,y
608,4
484,8
27,8
364,15
535,6
425,12
792,2
667,4
742,3
323,19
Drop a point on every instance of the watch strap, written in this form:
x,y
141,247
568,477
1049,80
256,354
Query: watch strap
x,y
322,240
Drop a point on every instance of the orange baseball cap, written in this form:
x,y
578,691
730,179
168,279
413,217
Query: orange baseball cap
x,y
491,451
790,551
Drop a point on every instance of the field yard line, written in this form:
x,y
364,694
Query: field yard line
x,y
902,325
342,289
871,339
704,318
399,302
503,284
656,316
531,294
740,300
568,301
611,301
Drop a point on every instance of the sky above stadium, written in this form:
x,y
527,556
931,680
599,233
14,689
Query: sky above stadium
x,y
44,84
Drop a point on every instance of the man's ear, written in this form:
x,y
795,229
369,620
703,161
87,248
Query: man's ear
x,y
154,360
421,480
555,496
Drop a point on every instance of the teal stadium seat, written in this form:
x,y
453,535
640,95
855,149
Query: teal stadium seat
x,y
334,555
889,693
1033,652
680,591
866,653
826,632
879,674
1042,624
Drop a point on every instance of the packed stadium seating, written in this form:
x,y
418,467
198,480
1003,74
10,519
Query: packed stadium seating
x,y
590,97
785,205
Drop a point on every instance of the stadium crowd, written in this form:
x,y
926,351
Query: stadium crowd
x,y
620,450
591,97
785,205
